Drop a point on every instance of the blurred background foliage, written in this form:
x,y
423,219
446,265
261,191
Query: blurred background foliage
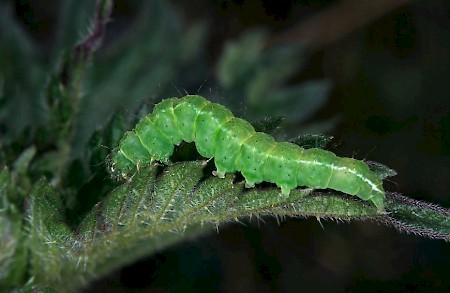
x,y
380,87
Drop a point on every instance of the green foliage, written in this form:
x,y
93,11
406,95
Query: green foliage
x,y
261,75
308,141
418,217
160,206
64,223
381,170
12,253
149,213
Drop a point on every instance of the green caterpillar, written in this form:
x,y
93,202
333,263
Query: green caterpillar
x,y
236,146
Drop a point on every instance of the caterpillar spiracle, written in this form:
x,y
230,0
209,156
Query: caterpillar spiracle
x,y
236,146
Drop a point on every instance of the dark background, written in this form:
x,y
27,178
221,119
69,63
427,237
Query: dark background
x,y
391,88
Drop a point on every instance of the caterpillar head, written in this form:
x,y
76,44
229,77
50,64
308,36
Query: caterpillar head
x,y
118,166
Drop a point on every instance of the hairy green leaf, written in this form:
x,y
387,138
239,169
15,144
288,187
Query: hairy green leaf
x,y
159,206
417,217
12,249
308,141
381,170
268,125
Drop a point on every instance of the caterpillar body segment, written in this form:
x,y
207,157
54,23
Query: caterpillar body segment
x,y
208,122
236,146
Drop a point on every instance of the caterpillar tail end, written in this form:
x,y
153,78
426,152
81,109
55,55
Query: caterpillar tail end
x,y
379,203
